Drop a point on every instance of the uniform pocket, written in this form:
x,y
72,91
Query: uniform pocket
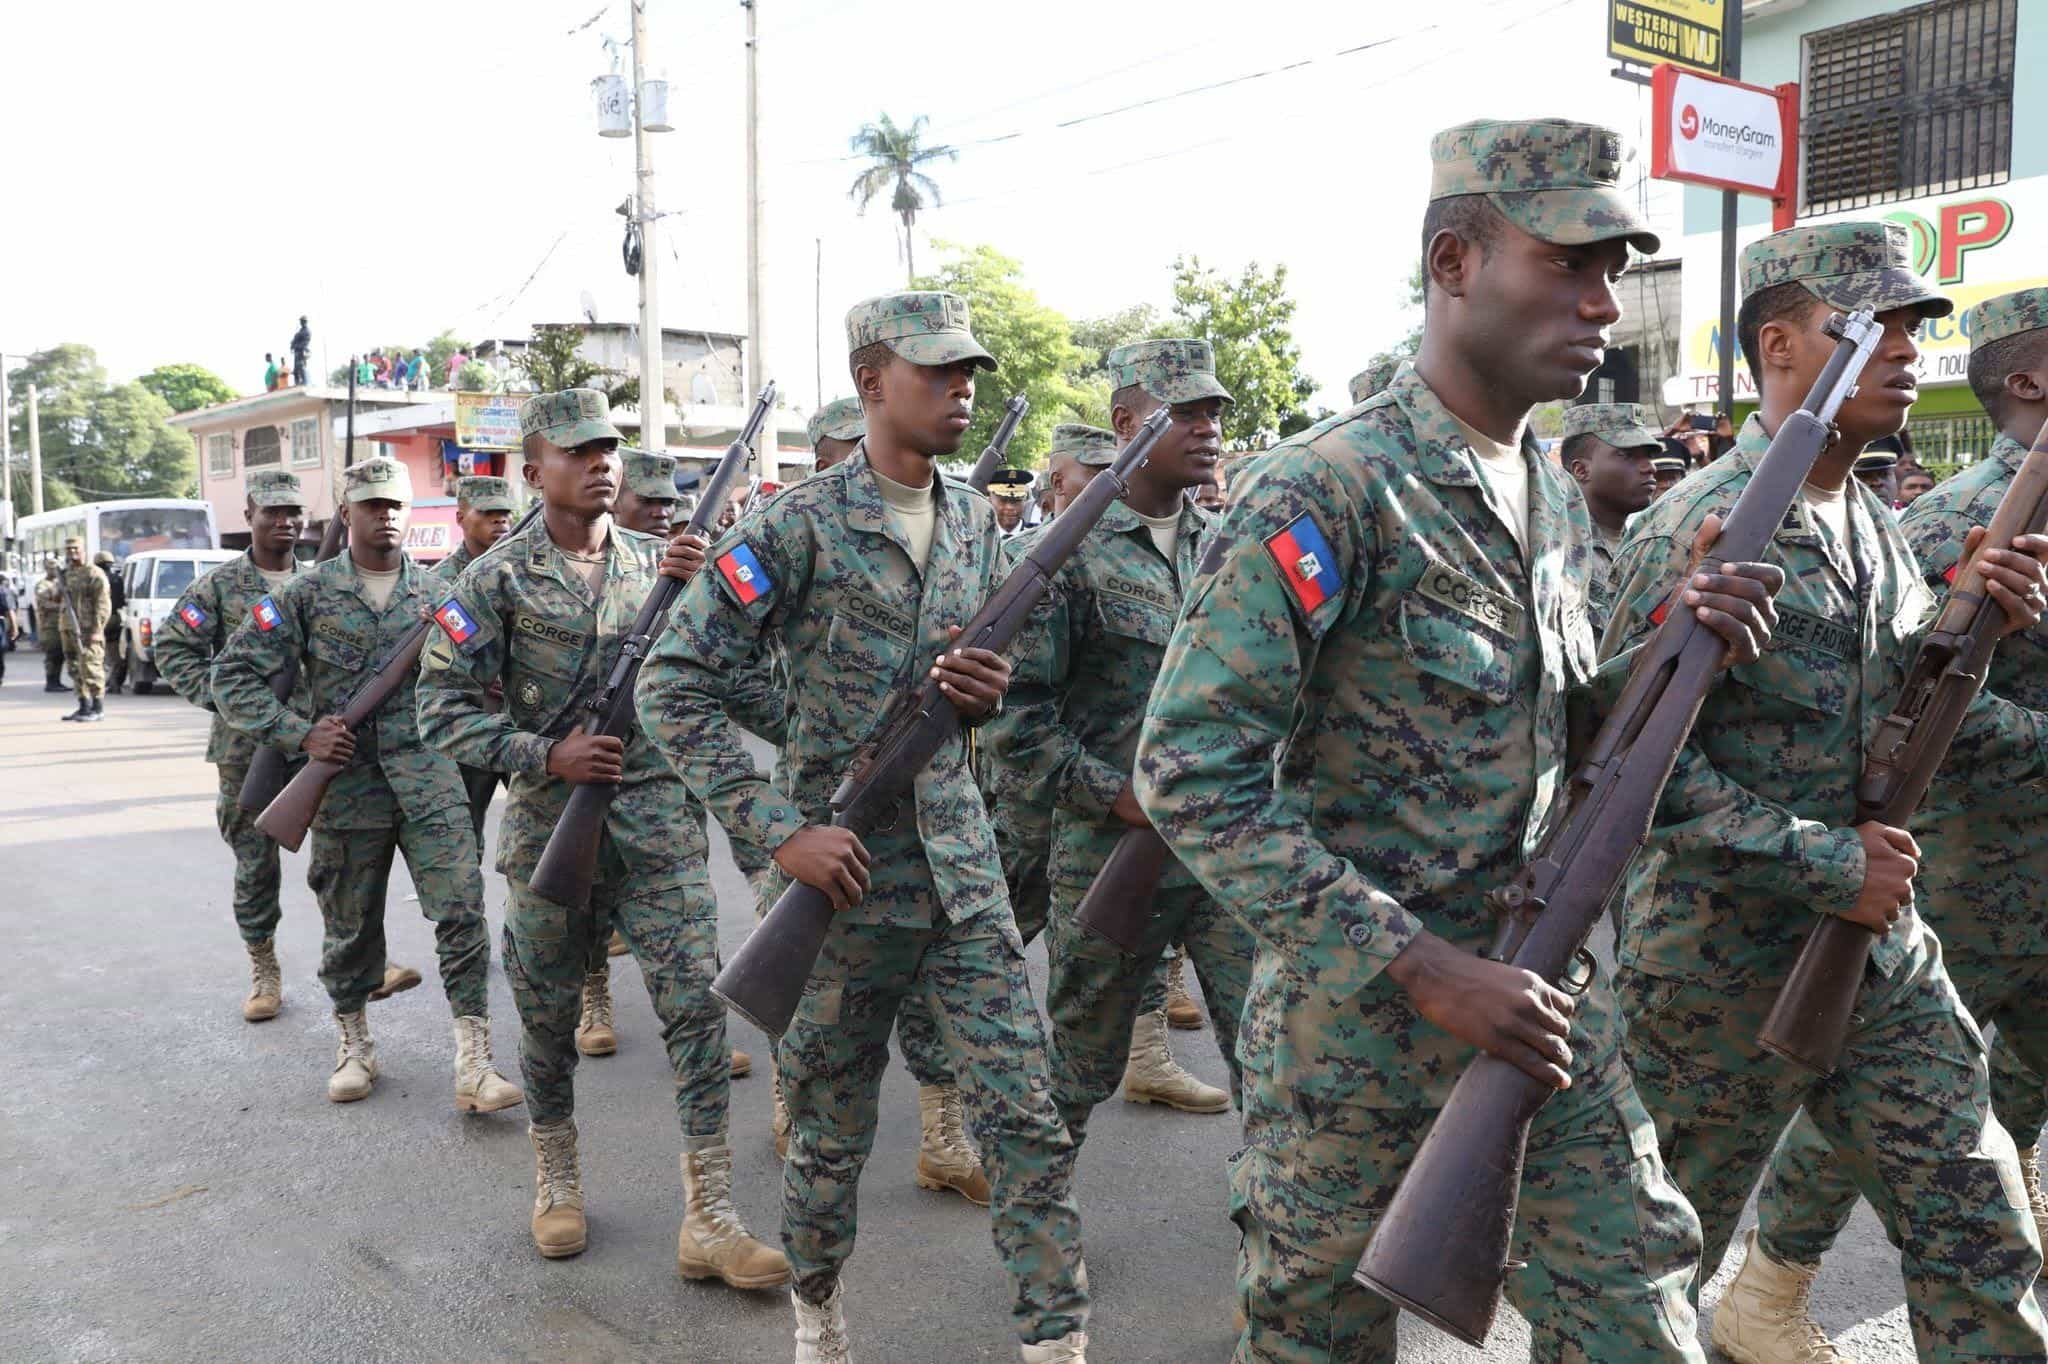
x,y
1456,651
1134,619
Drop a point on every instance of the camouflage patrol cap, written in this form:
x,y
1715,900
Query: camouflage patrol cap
x,y
925,327
78,540
1845,265
105,556
572,417
1010,484
1621,425
651,477
1089,445
1177,370
377,477
841,419
1373,378
484,493
1557,180
2007,315
274,488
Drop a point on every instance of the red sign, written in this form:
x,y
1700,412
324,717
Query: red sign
x,y
1705,130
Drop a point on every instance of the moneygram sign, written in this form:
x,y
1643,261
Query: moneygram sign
x,y
1723,133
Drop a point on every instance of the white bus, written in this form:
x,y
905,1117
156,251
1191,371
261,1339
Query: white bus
x,y
128,526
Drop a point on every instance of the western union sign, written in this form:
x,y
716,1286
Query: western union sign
x,y
1686,33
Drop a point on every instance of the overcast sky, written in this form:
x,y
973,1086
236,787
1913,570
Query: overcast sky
x,y
184,179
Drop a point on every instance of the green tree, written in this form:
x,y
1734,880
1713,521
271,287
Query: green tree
x,y
1095,338
1032,341
476,377
897,156
553,360
98,440
186,387
438,350
1248,321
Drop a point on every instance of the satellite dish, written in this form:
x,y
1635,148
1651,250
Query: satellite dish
x,y
589,306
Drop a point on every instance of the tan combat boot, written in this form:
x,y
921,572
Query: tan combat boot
x,y
713,1243
396,978
821,1330
478,1086
355,1060
944,1159
1765,1316
742,1064
1068,1349
1152,1076
617,946
2030,1169
266,983
779,1123
595,1035
558,1226
1181,1010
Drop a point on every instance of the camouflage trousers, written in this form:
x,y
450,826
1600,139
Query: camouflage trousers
x,y
1025,872
1908,1112
88,664
479,783
350,873
971,979
1609,1244
1095,991
1807,1193
257,877
670,923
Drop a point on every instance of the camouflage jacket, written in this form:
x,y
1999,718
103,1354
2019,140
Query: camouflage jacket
x,y
450,568
92,597
49,606
1986,847
195,632
324,620
1754,834
1084,669
540,635
821,569
1360,728
1599,582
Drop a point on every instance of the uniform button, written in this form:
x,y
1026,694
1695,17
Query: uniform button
x,y
1358,933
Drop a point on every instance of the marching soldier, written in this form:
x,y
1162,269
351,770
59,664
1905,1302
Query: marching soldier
x,y
393,796
49,606
544,618
835,431
865,573
83,610
1608,449
483,512
1373,378
1986,859
1754,835
1078,454
117,597
648,498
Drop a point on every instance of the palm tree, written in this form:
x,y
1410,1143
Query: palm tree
x,y
897,154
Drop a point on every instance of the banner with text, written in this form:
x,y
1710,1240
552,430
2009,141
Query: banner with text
x,y
1685,33
487,421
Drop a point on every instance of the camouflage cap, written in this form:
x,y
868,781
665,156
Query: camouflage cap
x,y
1178,370
2007,315
274,488
1373,378
485,493
77,540
651,477
925,327
377,477
105,556
1845,265
1622,425
841,419
1010,484
1557,180
573,417
1089,445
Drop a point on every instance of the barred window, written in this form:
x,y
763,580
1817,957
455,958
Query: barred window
x,y
260,448
220,455
305,442
1951,440
1906,105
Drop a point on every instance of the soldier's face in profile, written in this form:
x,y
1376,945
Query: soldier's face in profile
x,y
648,515
831,450
1536,314
584,481
927,407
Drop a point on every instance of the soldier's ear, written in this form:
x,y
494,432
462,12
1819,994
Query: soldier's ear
x,y
2029,386
530,472
1448,262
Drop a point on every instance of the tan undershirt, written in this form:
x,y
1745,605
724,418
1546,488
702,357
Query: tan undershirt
x,y
1165,532
278,578
1507,475
590,568
378,587
912,511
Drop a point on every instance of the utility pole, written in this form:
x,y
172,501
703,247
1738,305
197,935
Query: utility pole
x,y
818,321
757,351
6,453
1731,66
35,455
653,419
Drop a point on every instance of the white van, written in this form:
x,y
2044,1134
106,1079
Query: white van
x,y
154,580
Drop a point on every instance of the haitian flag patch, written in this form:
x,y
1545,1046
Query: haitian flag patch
x,y
1305,561
192,615
454,621
744,575
268,617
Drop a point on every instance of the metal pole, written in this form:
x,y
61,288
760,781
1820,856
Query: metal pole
x,y
757,349
818,322
35,455
6,446
1732,50
653,410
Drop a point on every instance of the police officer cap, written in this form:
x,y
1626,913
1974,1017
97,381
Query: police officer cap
x,y
1010,484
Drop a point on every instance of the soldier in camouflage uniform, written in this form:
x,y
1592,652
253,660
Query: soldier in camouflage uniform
x,y
484,506
49,603
835,432
1986,860
196,629
1078,454
1360,726
864,573
648,498
544,618
1607,449
1754,836
82,621
393,795
1374,377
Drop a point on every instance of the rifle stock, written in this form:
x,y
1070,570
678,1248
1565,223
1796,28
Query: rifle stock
x,y
1118,904
1809,1023
568,864
998,445
1441,1248
765,978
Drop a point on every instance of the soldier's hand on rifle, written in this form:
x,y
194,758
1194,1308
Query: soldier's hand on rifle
x,y
588,759
684,556
1732,600
1128,810
329,741
2014,577
1503,1010
974,680
829,859
1890,857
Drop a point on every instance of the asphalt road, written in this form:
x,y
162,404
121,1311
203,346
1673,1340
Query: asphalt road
x,y
179,1188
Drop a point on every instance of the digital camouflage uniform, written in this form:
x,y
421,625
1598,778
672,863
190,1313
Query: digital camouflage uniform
x,y
1625,426
1359,729
49,604
1373,378
395,795
187,641
841,419
483,493
822,568
1084,670
1986,859
91,601
1754,836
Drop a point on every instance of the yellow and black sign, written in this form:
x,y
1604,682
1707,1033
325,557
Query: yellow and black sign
x,y
1686,33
